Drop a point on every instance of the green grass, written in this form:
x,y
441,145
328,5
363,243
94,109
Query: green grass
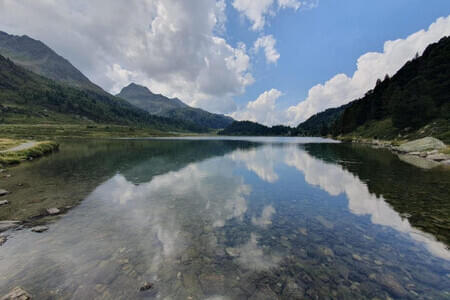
x,y
52,131
41,149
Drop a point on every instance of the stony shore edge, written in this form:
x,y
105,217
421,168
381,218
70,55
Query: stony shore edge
x,y
38,149
425,153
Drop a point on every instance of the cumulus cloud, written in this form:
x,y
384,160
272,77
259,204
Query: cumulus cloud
x,y
258,11
261,110
371,66
267,43
174,47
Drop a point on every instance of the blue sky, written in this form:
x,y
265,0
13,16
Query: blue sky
x,y
269,61
315,44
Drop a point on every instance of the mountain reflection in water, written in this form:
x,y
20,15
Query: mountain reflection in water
x,y
258,221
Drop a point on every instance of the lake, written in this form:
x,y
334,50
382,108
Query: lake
x,y
227,218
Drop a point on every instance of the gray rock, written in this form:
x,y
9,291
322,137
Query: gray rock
x,y
446,162
39,229
3,239
3,192
6,225
3,202
233,252
53,211
438,157
418,161
17,294
146,286
425,144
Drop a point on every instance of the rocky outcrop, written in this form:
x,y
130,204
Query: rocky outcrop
x,y
420,145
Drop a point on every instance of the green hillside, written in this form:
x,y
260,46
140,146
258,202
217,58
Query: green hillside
x,y
27,98
414,103
35,56
174,108
320,123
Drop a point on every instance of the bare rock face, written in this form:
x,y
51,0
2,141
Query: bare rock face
x,y
425,144
17,294
438,157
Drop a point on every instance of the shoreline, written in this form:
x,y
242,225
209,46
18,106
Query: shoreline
x,y
422,156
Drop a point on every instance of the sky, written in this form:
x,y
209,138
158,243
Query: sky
x,y
269,61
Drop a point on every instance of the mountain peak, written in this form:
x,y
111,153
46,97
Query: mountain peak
x,y
134,88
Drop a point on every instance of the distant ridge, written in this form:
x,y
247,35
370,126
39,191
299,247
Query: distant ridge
x,y
160,105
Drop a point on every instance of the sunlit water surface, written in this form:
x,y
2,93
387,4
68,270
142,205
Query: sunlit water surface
x,y
233,219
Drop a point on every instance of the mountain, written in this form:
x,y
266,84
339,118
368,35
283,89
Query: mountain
x,y
320,123
26,97
160,105
37,57
414,103
248,128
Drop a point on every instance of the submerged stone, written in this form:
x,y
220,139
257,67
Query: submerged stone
x,y
17,294
6,225
39,229
146,286
3,239
3,192
3,202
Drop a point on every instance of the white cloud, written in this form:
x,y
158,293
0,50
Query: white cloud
x,y
172,46
266,217
289,4
261,110
342,89
267,43
258,11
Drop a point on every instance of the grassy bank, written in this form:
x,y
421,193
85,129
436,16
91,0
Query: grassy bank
x,y
37,150
52,131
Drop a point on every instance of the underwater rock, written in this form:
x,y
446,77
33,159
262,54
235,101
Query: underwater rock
x,y
4,202
212,283
146,286
3,192
17,294
392,285
327,224
326,251
357,257
233,252
53,211
293,291
39,229
264,293
5,225
3,239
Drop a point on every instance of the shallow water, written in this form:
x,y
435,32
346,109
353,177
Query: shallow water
x,y
230,219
